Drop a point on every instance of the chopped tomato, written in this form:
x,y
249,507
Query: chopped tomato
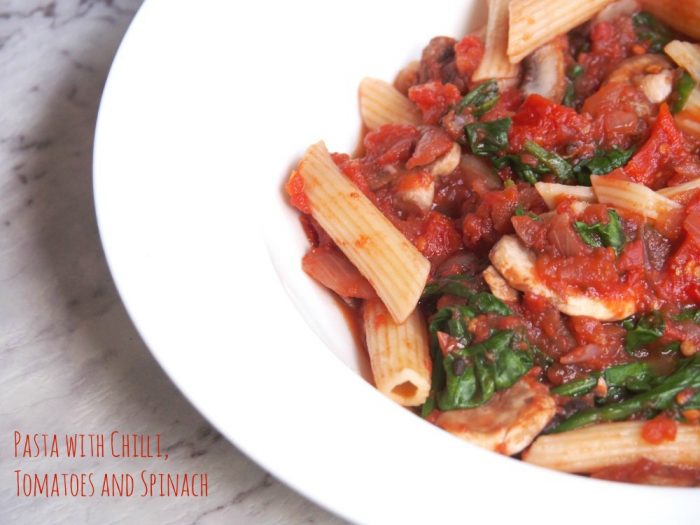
x,y
653,163
434,99
661,428
548,124
439,237
468,54
295,190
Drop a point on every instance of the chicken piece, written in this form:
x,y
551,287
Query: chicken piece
x,y
517,266
651,73
498,285
508,423
545,71
447,163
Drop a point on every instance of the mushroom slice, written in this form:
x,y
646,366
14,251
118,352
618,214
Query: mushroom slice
x,y
447,163
545,71
508,423
498,285
651,73
517,266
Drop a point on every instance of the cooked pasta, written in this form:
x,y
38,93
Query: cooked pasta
x,y
521,244
495,63
381,103
398,354
686,55
392,265
611,444
536,22
553,193
633,197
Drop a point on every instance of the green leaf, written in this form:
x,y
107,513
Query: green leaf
x,y
647,330
602,163
576,388
525,172
569,96
599,234
650,30
688,314
463,286
681,92
475,373
488,138
635,377
660,397
480,99
561,169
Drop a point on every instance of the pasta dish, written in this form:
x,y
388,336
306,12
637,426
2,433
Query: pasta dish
x,y
519,235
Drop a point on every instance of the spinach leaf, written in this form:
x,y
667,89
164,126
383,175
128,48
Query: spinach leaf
x,y
480,99
688,314
660,397
650,30
488,138
599,234
681,92
635,377
602,163
525,172
458,285
575,71
561,169
475,373
646,330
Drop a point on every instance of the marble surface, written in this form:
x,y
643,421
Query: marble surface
x,y
70,359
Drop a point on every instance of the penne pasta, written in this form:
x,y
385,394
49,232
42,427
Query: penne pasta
x,y
633,197
688,120
381,103
595,447
398,353
553,193
533,23
677,192
683,15
495,63
394,267
686,55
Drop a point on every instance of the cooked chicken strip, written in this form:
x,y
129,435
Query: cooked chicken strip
x,y
517,266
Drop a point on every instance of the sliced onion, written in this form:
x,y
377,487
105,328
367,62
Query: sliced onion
x,y
333,270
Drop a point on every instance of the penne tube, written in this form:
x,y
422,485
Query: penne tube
x,y
381,103
596,447
553,193
686,55
495,63
688,120
533,23
632,197
399,354
393,266
682,15
677,192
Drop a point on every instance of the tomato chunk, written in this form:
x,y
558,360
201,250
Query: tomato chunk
x,y
661,428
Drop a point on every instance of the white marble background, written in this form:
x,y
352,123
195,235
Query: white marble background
x,y
70,360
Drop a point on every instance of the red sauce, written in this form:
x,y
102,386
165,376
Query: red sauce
x,y
660,429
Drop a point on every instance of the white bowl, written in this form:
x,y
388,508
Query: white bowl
x,y
207,107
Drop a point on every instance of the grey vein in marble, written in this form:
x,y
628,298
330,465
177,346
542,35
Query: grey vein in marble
x,y
70,360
